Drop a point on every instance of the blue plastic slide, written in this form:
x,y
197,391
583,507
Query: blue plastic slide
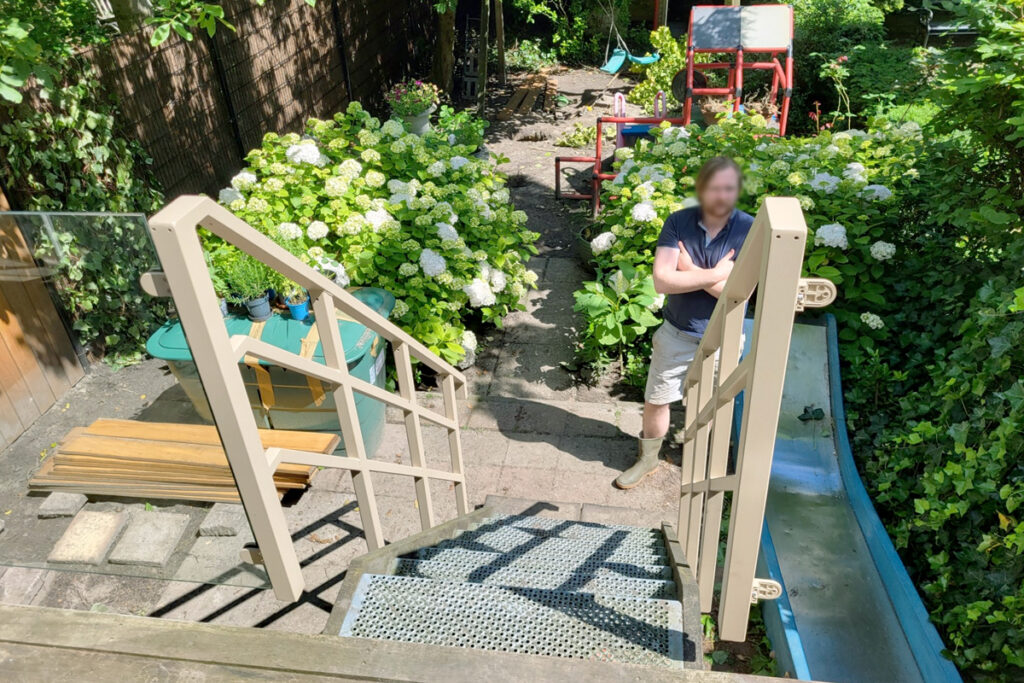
x,y
849,611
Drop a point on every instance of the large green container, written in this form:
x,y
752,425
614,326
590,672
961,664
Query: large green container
x,y
280,398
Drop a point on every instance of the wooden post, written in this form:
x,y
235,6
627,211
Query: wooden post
x,y
485,27
499,38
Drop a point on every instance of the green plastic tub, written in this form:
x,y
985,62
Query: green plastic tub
x,y
280,398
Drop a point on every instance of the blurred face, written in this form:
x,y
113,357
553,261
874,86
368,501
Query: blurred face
x,y
721,193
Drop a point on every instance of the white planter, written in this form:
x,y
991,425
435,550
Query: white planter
x,y
420,123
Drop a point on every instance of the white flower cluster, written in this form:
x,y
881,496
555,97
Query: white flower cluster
x,y
432,263
479,293
824,182
378,218
229,195
244,180
644,212
602,242
831,235
317,230
469,345
446,232
306,152
855,172
675,133
883,251
877,193
872,321
458,162
393,128
336,186
436,169
289,231
329,265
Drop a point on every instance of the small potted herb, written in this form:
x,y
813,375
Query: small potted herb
x,y
414,101
297,301
250,280
215,266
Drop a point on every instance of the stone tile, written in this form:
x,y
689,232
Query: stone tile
x,y
481,482
528,482
150,538
534,450
61,504
224,519
565,270
531,506
596,455
88,538
334,479
21,585
594,419
483,447
533,371
215,559
605,514
583,487
514,416
3,525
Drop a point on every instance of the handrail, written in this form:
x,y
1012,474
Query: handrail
x,y
770,262
216,356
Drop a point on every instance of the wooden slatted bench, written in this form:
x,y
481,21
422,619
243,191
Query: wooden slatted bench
x,y
164,460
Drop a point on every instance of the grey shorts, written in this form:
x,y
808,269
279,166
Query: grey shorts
x,y
670,359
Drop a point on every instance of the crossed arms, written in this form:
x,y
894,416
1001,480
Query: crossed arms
x,y
676,273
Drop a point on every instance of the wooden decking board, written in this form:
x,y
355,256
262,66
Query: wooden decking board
x,y
523,98
140,459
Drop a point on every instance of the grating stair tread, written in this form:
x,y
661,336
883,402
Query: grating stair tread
x,y
553,579
520,542
567,527
535,559
624,537
521,620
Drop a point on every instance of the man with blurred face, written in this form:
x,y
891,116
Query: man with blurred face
x,y
694,257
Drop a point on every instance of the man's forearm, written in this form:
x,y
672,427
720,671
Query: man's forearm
x,y
716,289
684,281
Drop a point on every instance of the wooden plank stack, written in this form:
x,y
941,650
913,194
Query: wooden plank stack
x,y
161,460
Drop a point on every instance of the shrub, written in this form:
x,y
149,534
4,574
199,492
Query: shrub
x,y
527,55
418,216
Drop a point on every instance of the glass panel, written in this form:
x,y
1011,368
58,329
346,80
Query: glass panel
x,y
84,409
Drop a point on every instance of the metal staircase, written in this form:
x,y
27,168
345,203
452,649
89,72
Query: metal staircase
x,y
517,583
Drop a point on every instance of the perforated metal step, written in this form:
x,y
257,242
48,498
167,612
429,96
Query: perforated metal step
x,y
522,620
579,582
527,527
520,542
472,559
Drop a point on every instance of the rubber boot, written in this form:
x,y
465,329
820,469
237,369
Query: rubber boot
x,y
647,460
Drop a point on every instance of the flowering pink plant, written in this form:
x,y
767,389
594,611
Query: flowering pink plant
x,y
412,97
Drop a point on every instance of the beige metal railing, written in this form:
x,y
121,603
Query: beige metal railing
x,y
216,355
770,262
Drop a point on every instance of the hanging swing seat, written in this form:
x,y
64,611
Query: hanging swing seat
x,y
620,56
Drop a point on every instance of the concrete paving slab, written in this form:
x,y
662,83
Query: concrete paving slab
x,y
61,504
150,539
566,271
483,447
3,525
607,514
89,537
224,519
534,450
596,455
215,559
21,585
533,371
514,415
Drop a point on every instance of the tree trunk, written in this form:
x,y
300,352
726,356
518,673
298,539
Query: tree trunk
x,y
485,28
499,39
443,68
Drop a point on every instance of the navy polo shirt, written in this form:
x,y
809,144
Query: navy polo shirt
x,y
691,311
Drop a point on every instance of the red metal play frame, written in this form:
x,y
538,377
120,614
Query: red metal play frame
x,y
782,76
598,175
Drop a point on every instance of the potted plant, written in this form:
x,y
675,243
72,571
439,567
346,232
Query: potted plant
x,y
297,301
250,281
215,266
414,101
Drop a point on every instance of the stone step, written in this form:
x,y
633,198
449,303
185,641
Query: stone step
x,y
520,620
516,577
594,535
520,542
474,559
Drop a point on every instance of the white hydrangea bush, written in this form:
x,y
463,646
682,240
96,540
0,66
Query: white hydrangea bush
x,y
371,205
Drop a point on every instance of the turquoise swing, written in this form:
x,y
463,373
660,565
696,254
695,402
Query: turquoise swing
x,y
621,54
